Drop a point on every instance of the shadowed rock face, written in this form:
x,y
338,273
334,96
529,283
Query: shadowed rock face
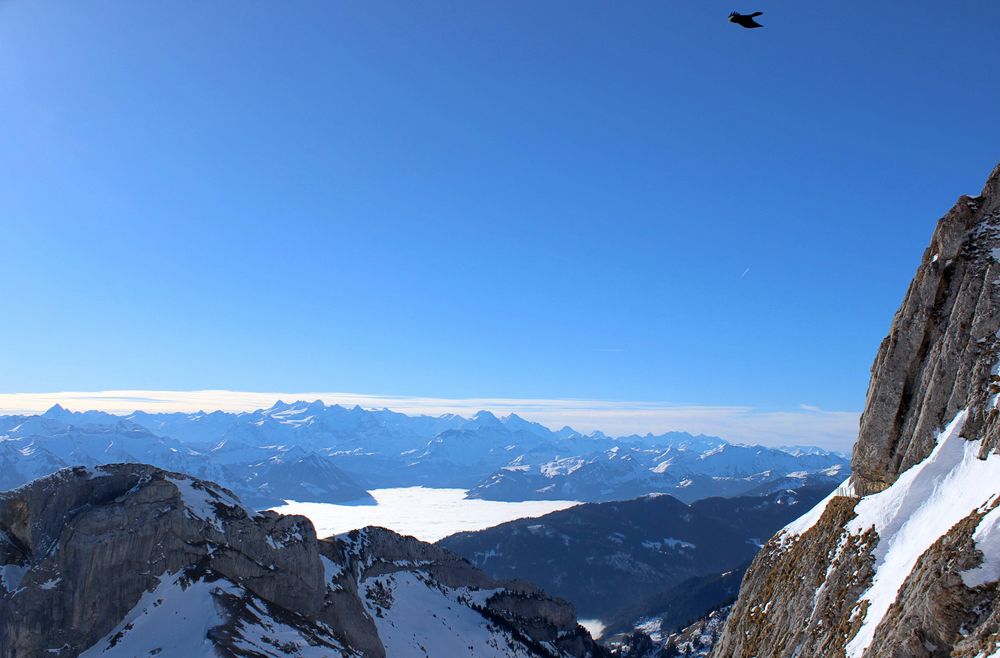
x,y
808,591
938,356
87,556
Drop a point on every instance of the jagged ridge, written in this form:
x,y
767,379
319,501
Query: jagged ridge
x,y
128,559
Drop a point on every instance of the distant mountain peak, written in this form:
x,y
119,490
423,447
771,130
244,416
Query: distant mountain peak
x,y
483,419
377,449
279,405
57,411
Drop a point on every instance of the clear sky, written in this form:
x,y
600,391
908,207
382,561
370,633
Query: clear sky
x,y
605,201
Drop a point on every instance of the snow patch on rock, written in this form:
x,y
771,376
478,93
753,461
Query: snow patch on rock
x,y
331,571
200,501
417,618
987,538
802,524
152,626
921,506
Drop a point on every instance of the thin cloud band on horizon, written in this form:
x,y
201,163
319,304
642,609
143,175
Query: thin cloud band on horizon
x,y
804,425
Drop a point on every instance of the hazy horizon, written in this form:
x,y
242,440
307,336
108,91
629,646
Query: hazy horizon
x,y
805,425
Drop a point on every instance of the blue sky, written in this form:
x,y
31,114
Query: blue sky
x,y
587,200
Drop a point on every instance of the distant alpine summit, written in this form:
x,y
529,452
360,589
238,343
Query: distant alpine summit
x,y
312,452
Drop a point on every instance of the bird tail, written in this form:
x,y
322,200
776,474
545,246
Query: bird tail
x,y
756,14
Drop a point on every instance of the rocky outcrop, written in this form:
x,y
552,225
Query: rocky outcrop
x,y
797,599
128,559
940,351
695,640
904,558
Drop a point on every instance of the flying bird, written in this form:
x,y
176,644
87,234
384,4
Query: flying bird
x,y
746,20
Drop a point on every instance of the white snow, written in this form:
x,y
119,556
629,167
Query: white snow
x,y
291,535
266,636
331,570
481,558
175,619
425,513
808,520
51,583
987,538
171,619
663,466
669,542
477,596
415,620
559,467
595,627
651,626
921,506
200,502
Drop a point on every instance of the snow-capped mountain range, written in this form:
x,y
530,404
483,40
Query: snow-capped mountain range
x,y
313,452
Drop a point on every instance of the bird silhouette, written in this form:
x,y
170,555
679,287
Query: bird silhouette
x,y
745,20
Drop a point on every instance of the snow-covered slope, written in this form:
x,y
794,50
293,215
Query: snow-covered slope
x,y
180,616
400,604
951,484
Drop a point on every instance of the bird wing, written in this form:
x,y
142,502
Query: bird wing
x,y
756,13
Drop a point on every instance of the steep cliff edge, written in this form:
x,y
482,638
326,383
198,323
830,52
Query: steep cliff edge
x,y
130,560
904,558
940,351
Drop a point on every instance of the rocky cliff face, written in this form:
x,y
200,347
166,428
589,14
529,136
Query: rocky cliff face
x,y
939,355
904,558
130,560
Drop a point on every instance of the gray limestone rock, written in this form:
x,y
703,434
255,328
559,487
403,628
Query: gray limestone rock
x,y
941,348
88,557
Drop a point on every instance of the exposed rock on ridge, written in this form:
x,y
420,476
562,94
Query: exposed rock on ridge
x,y
93,562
